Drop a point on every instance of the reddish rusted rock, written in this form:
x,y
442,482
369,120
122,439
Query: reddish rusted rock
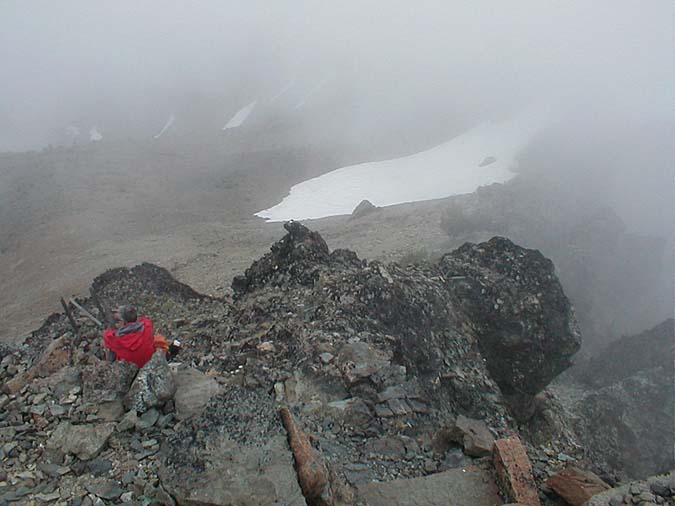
x,y
317,482
514,472
56,356
576,486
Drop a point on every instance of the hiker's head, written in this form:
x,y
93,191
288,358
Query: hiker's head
x,y
127,314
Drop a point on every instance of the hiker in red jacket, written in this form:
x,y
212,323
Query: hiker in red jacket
x,y
133,339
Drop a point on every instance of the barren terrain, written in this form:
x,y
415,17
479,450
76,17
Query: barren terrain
x,y
67,215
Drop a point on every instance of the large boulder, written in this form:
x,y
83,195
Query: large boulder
x,y
525,324
293,259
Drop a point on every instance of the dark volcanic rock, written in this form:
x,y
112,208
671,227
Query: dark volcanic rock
x,y
292,260
487,161
141,278
514,301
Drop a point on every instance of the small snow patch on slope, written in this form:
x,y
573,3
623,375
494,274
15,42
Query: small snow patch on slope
x,y
241,116
95,135
166,126
283,91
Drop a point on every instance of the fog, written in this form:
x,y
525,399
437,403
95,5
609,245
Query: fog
x,y
346,83
125,67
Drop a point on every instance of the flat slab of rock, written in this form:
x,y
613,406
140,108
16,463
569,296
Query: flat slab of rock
x,y
232,454
84,441
262,476
576,486
193,391
473,435
457,487
514,472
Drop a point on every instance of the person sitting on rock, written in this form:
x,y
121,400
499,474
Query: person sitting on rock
x,y
133,339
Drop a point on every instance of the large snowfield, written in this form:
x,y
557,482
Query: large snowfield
x,y
483,155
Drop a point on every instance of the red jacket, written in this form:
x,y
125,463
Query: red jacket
x,y
137,347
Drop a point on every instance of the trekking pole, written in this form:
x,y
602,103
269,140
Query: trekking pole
x,y
70,317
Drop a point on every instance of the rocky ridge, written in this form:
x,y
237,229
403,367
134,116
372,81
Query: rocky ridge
x,y
394,373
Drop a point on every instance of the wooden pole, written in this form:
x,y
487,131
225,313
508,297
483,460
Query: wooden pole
x,y
70,317
86,313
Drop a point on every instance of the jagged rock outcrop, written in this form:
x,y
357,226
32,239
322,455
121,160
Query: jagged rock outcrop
x,y
357,350
370,360
295,259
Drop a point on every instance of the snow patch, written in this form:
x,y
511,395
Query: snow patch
x,y
283,91
95,135
73,132
310,94
451,168
241,116
166,126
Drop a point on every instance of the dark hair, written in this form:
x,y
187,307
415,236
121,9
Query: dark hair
x,y
127,313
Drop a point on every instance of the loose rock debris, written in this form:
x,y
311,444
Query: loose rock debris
x,y
369,363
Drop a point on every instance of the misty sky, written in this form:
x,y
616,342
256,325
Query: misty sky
x,y
110,64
